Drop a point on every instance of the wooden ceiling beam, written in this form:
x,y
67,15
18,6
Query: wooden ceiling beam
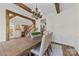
x,y
57,6
21,5
26,8
12,16
16,14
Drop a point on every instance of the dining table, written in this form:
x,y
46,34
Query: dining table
x,y
17,46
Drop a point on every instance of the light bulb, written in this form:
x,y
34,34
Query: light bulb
x,y
32,10
39,10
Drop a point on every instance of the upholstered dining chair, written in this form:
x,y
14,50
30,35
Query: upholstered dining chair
x,y
43,47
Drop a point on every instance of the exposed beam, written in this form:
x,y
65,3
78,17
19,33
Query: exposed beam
x,y
17,14
25,7
26,17
21,5
57,6
13,14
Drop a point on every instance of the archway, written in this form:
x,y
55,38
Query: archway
x,y
10,15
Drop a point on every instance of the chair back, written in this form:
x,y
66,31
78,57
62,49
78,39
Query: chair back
x,y
46,41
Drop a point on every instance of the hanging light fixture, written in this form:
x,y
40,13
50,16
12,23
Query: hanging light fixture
x,y
37,13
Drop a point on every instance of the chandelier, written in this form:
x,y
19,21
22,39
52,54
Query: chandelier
x,y
36,13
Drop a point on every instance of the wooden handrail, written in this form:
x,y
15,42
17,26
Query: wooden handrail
x,y
30,28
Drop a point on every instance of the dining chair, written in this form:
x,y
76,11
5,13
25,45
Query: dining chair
x,y
43,47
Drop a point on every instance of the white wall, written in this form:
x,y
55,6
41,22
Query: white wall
x,y
2,27
65,25
77,41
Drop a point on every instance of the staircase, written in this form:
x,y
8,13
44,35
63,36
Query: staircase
x,y
69,51
27,30
63,50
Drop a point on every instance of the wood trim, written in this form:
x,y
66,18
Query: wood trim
x,y
17,14
8,18
26,8
7,25
57,6
21,5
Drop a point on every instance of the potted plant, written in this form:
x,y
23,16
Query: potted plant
x,y
35,34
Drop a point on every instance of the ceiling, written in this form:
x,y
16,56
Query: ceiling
x,y
48,8
45,8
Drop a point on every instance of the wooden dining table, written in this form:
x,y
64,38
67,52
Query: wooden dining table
x,y
16,47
